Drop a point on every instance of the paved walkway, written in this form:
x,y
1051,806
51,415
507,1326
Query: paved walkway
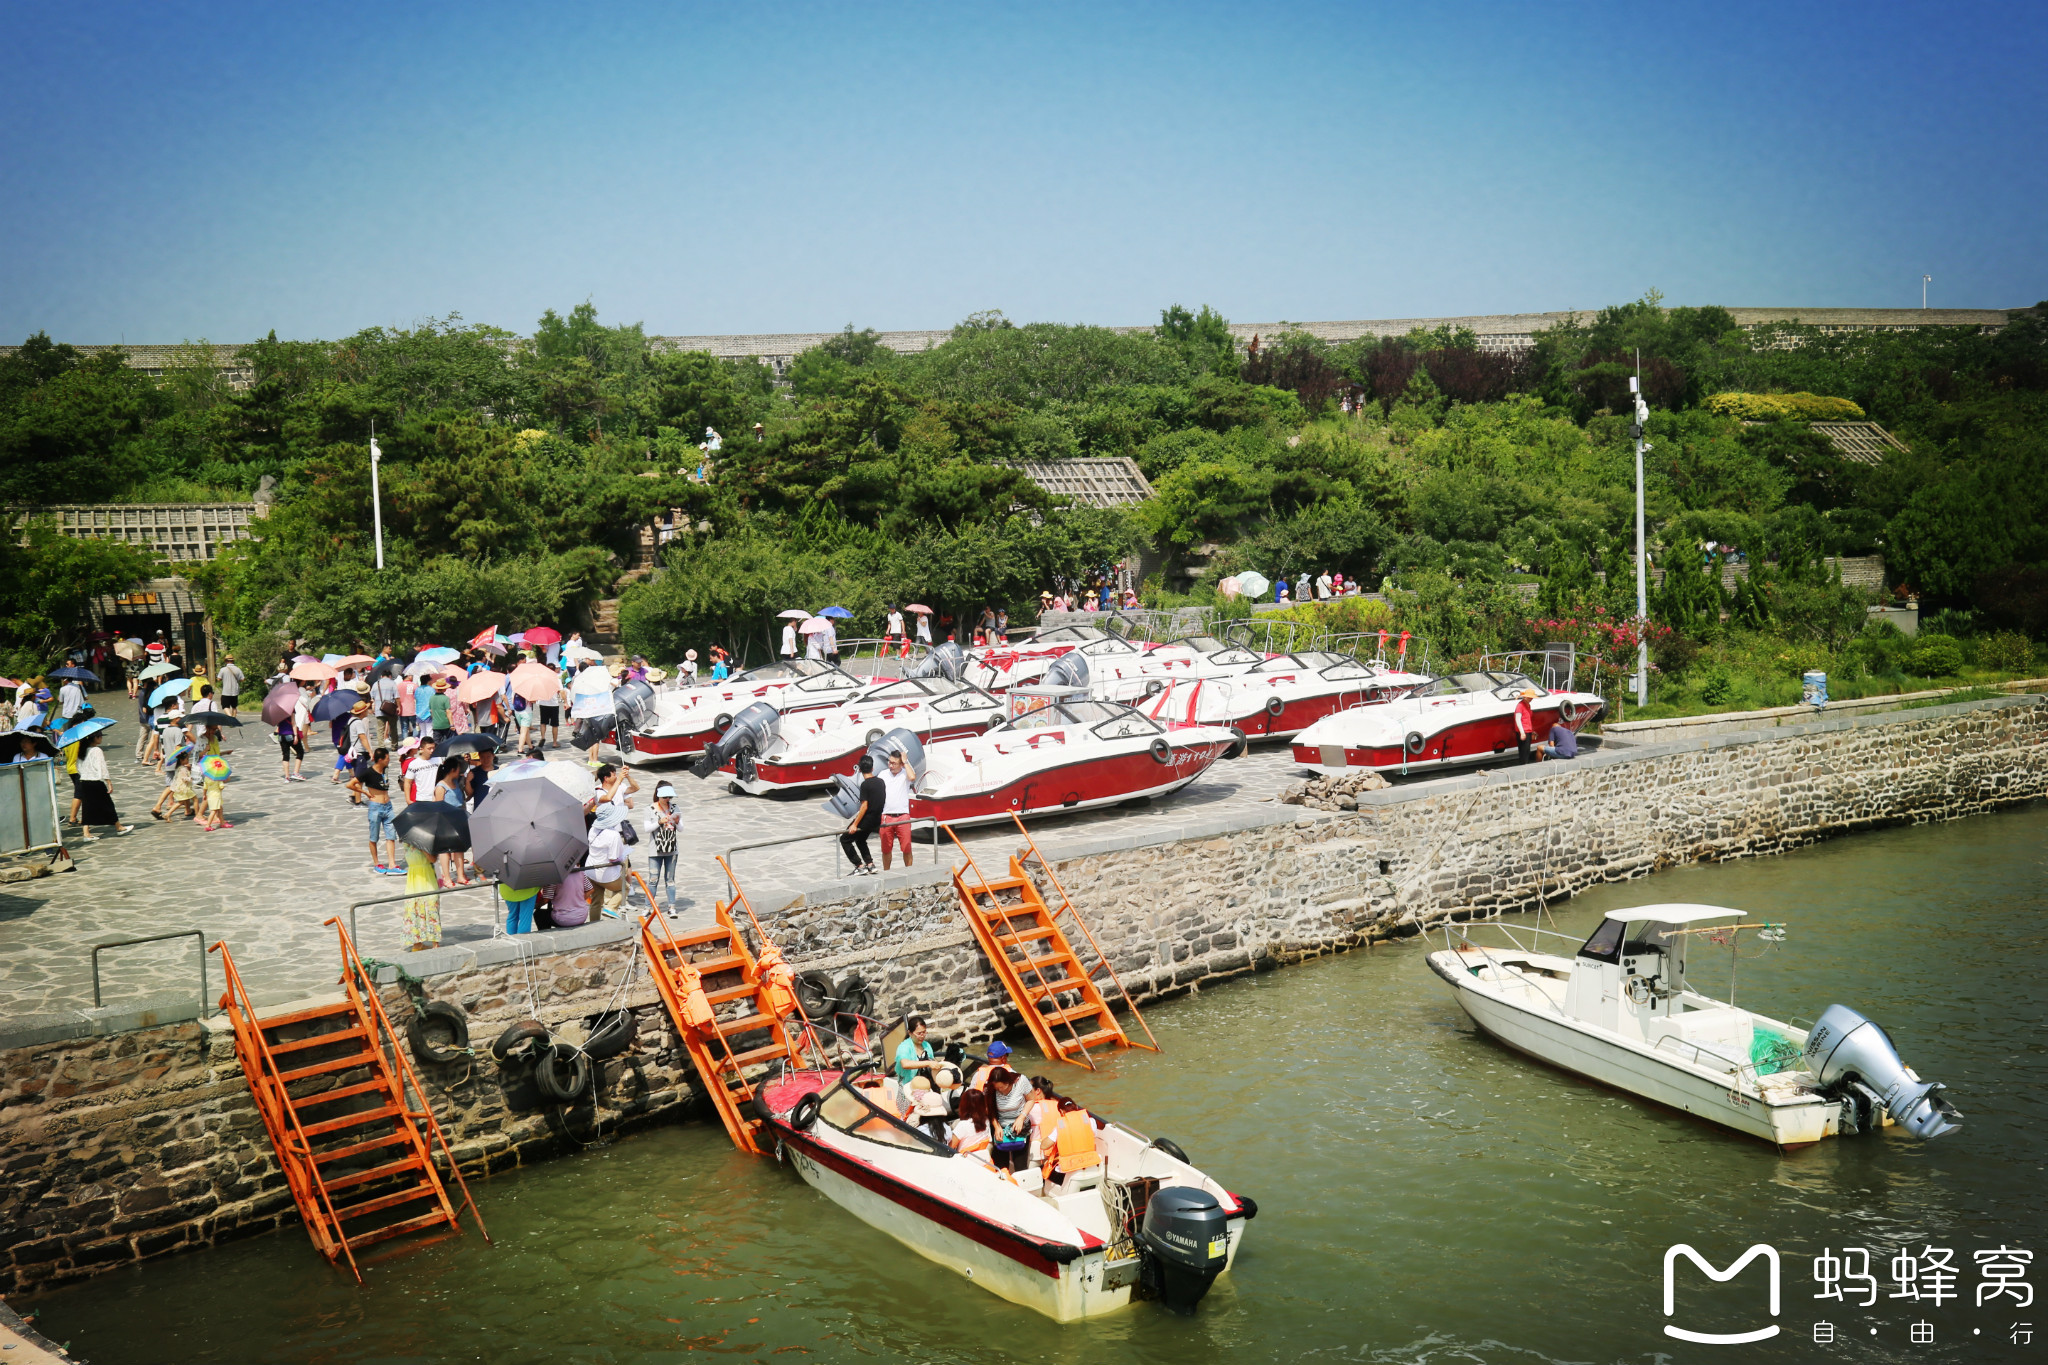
x,y
298,854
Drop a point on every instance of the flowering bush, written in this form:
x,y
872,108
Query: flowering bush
x,y
1769,407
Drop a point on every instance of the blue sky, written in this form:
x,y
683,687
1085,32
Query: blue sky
x,y
171,172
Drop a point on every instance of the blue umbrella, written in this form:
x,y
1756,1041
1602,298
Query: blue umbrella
x,y
73,673
175,687
440,654
336,704
837,613
332,659
81,730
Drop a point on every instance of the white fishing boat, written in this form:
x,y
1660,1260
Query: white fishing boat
x,y
1620,1011
1145,1221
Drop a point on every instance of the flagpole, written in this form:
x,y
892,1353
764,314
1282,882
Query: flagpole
x,y
376,500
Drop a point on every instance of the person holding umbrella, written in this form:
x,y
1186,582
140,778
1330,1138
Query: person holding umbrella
x,y
96,798
451,788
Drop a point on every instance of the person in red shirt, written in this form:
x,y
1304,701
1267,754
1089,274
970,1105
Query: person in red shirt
x,y
1525,724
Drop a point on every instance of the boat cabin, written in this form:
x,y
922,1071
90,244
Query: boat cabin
x,y
1629,978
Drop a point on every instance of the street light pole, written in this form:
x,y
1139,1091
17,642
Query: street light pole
x,y
1635,388
1923,291
376,499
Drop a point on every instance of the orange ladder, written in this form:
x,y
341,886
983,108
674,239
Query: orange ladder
x,y
1061,1000
365,1172
683,967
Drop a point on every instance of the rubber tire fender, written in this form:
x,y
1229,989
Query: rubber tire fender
x,y
562,1073
1162,752
1568,712
874,735
611,1033
1240,744
721,722
856,996
1274,706
817,996
424,1047
805,1113
1172,1149
517,1037
1414,741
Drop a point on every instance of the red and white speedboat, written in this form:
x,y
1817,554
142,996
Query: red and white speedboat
x,y
1065,755
1271,698
997,668
684,721
1460,718
1071,1251
808,748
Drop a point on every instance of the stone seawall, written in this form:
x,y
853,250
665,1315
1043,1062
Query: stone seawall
x,y
134,1143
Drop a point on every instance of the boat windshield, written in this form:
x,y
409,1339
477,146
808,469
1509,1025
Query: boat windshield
x,y
909,689
861,1108
783,668
831,680
1067,635
1348,668
1107,645
1091,713
1284,663
1465,684
1605,945
1201,644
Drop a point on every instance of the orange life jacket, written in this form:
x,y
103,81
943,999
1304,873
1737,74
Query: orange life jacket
x,y
1073,1144
777,984
696,1007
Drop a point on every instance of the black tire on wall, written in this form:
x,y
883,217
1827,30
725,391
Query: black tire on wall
x,y
430,1023
562,1073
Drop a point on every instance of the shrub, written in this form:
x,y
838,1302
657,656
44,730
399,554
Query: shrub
x,y
2007,651
1769,407
1717,685
1936,656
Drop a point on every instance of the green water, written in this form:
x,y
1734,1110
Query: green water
x,y
1425,1195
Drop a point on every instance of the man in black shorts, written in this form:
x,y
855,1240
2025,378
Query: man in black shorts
x,y
866,820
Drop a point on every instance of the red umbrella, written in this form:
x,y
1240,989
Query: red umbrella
x,y
542,635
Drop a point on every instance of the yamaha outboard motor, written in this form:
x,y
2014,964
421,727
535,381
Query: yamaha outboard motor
x,y
1185,1237
948,661
633,704
747,736
1069,670
1851,1056
844,799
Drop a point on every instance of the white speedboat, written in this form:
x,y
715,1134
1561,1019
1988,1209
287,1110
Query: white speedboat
x,y
1620,1011
808,747
997,668
682,722
1145,1220
1460,718
1277,696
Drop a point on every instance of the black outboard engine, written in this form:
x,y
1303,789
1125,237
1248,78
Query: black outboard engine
x,y
747,736
948,661
844,799
633,705
1186,1242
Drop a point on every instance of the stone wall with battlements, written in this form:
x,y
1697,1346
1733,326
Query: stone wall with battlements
x,y
141,1139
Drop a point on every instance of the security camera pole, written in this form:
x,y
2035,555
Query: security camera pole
x,y
1635,388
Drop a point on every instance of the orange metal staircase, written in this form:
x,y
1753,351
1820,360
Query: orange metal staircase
x,y
727,1006
1061,999
338,1101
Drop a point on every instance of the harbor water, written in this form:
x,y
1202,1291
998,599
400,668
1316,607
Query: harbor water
x,y
1425,1195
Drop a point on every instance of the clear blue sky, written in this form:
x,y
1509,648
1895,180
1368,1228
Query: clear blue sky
x,y
171,172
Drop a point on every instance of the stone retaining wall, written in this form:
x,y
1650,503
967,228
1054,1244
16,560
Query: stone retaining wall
x,y
136,1143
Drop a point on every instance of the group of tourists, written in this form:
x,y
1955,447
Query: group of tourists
x,y
1321,587
994,1115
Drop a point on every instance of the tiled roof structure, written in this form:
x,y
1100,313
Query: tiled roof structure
x,y
1091,483
1860,442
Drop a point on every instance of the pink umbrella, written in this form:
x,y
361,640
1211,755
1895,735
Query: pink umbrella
x,y
536,682
354,661
817,625
543,635
312,670
917,607
481,686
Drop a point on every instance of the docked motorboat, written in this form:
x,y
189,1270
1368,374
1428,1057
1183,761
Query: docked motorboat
x,y
1620,1011
997,668
1442,722
809,747
1143,1222
1277,696
1065,754
681,722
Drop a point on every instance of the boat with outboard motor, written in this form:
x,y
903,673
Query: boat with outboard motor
x,y
1441,722
1143,1222
997,668
1277,696
768,751
682,722
1620,1011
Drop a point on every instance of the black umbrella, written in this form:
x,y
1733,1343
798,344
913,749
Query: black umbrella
x,y
75,673
528,834
211,718
336,704
472,743
434,827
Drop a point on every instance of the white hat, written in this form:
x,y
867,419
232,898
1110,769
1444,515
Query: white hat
x,y
689,654
665,789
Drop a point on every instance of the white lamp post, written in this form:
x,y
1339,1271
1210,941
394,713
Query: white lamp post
x,y
376,499
1923,291
1635,387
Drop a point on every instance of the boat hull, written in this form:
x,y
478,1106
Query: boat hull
x,y
1085,785
1477,740
1623,1065
772,775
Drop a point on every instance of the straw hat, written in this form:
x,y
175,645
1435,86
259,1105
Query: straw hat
x,y
657,675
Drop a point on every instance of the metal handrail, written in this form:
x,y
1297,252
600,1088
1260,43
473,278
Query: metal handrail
x,y
352,969
246,1027
1068,903
99,948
